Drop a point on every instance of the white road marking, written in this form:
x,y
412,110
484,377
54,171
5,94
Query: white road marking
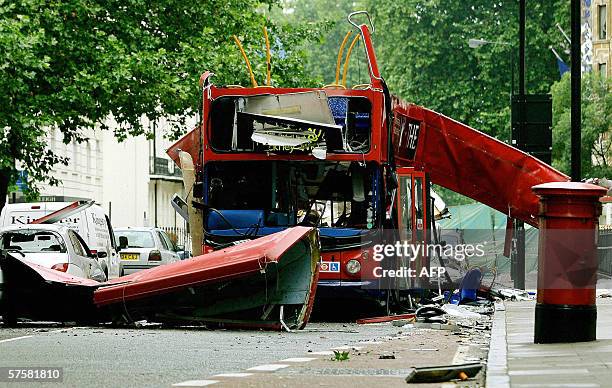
x,y
424,350
195,383
63,330
269,367
234,375
16,338
370,343
459,357
298,359
322,353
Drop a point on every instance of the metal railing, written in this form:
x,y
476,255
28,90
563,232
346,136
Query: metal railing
x,y
178,235
164,167
604,251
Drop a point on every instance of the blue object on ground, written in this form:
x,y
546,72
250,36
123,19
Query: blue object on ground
x,y
470,285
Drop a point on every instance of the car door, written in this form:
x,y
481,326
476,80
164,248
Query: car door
x,y
168,254
78,253
113,259
94,270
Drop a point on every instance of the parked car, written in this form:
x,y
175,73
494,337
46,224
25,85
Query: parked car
x,y
91,223
52,246
144,248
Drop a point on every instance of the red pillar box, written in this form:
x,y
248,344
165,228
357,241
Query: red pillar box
x,y
567,261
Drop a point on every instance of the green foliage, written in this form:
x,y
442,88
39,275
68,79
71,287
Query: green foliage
x,y
340,355
424,54
71,64
330,16
596,125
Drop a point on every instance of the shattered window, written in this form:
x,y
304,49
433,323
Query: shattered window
x,y
33,241
282,193
293,123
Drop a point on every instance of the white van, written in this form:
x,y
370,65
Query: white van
x,y
91,223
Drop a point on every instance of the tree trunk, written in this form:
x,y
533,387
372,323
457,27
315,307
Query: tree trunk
x,y
5,178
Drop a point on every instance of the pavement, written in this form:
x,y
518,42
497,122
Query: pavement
x,y
378,355
515,361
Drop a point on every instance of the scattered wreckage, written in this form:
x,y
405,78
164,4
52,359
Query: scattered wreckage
x,y
285,183
357,163
268,283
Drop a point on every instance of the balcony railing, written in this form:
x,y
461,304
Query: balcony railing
x,y
164,167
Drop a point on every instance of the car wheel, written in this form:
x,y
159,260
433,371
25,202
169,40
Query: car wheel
x,y
9,318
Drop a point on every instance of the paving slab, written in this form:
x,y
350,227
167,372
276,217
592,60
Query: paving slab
x,y
515,361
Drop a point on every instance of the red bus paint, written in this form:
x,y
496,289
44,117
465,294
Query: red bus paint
x,y
406,142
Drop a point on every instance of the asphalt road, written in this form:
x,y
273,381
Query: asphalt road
x,y
154,357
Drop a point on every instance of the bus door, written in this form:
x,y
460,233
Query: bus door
x,y
412,222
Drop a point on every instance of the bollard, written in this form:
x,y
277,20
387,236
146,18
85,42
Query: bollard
x,y
567,261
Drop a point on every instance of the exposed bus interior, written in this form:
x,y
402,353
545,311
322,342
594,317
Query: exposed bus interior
x,y
290,123
261,197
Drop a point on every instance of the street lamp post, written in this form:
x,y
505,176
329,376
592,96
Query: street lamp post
x,y
518,265
477,43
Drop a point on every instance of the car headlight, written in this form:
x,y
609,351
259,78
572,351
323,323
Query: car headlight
x,y
353,266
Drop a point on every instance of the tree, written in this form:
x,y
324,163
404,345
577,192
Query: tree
x,y
330,16
70,64
596,126
424,54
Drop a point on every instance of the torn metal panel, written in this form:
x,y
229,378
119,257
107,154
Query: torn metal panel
x,y
189,143
260,283
35,292
470,162
283,131
196,220
62,213
440,374
309,106
265,283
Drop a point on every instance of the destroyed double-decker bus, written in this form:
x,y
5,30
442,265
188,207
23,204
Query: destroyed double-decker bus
x,y
352,161
290,187
271,158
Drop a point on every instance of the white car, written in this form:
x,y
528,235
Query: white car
x,y
51,246
144,248
91,223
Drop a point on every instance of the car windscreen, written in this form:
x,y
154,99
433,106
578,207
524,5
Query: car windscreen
x,y
137,238
33,241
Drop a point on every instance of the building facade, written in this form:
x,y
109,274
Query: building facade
x,y
602,52
132,180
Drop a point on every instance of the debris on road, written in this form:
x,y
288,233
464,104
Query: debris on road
x,y
278,272
440,374
387,318
511,294
460,311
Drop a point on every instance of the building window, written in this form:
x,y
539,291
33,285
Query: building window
x,y
602,14
603,69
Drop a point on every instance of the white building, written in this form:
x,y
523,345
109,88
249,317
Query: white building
x,y
133,180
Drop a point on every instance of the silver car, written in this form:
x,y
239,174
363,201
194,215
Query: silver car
x,y
144,248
